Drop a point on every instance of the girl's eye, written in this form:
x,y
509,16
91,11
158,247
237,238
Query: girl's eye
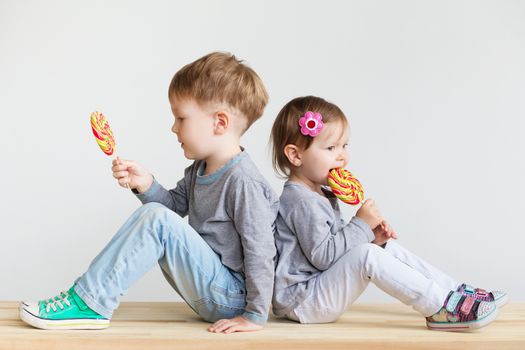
x,y
331,148
345,145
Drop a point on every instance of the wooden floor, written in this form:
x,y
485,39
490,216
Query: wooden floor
x,y
149,326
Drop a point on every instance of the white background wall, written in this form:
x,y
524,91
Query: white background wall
x,y
434,91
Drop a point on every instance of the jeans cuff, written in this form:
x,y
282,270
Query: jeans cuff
x,y
93,305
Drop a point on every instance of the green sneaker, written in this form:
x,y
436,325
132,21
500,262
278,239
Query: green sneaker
x,y
64,311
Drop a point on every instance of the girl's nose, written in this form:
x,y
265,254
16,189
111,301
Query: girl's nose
x,y
343,157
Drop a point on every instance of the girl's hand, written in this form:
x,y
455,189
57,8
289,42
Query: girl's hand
x,y
369,213
236,324
383,233
131,174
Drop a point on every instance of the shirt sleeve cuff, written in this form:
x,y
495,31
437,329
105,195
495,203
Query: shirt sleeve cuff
x,y
365,228
151,194
255,318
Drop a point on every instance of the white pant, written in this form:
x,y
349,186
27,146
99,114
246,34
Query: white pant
x,y
393,269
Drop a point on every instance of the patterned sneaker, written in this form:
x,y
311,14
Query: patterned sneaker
x,y
497,296
462,313
64,311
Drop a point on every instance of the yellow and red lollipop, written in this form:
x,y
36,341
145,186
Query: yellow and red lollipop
x,y
103,133
345,186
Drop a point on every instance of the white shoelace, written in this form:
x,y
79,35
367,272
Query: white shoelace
x,y
58,301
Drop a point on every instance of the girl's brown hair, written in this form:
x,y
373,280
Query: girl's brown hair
x,y
286,130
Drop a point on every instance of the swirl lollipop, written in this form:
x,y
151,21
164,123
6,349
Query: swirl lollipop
x,y
345,186
103,133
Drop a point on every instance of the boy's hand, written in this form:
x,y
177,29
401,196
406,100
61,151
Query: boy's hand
x,y
383,233
369,213
236,324
132,174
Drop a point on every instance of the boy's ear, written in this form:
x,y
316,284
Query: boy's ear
x,y
222,122
293,154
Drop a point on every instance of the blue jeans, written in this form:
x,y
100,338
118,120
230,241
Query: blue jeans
x,y
155,234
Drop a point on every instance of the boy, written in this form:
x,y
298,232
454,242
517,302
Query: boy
x,y
222,262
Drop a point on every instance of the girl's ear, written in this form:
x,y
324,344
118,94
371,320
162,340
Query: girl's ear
x,y
293,154
221,123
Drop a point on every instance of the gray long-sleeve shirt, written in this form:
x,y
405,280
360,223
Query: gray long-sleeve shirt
x,y
234,210
310,237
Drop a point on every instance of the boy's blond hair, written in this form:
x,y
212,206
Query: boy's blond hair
x,y
221,78
286,130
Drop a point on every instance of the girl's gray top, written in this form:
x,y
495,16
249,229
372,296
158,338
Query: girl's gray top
x,y
310,237
234,210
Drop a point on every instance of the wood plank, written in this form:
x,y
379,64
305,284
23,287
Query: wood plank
x,y
151,326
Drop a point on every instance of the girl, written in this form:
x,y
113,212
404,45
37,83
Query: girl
x,y
325,263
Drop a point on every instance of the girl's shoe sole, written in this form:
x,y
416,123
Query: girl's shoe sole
x,y
464,326
502,301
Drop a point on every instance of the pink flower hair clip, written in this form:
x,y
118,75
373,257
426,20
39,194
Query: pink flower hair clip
x,y
311,124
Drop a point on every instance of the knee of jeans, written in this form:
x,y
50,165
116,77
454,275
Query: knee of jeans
x,y
159,215
152,207
158,211
149,210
